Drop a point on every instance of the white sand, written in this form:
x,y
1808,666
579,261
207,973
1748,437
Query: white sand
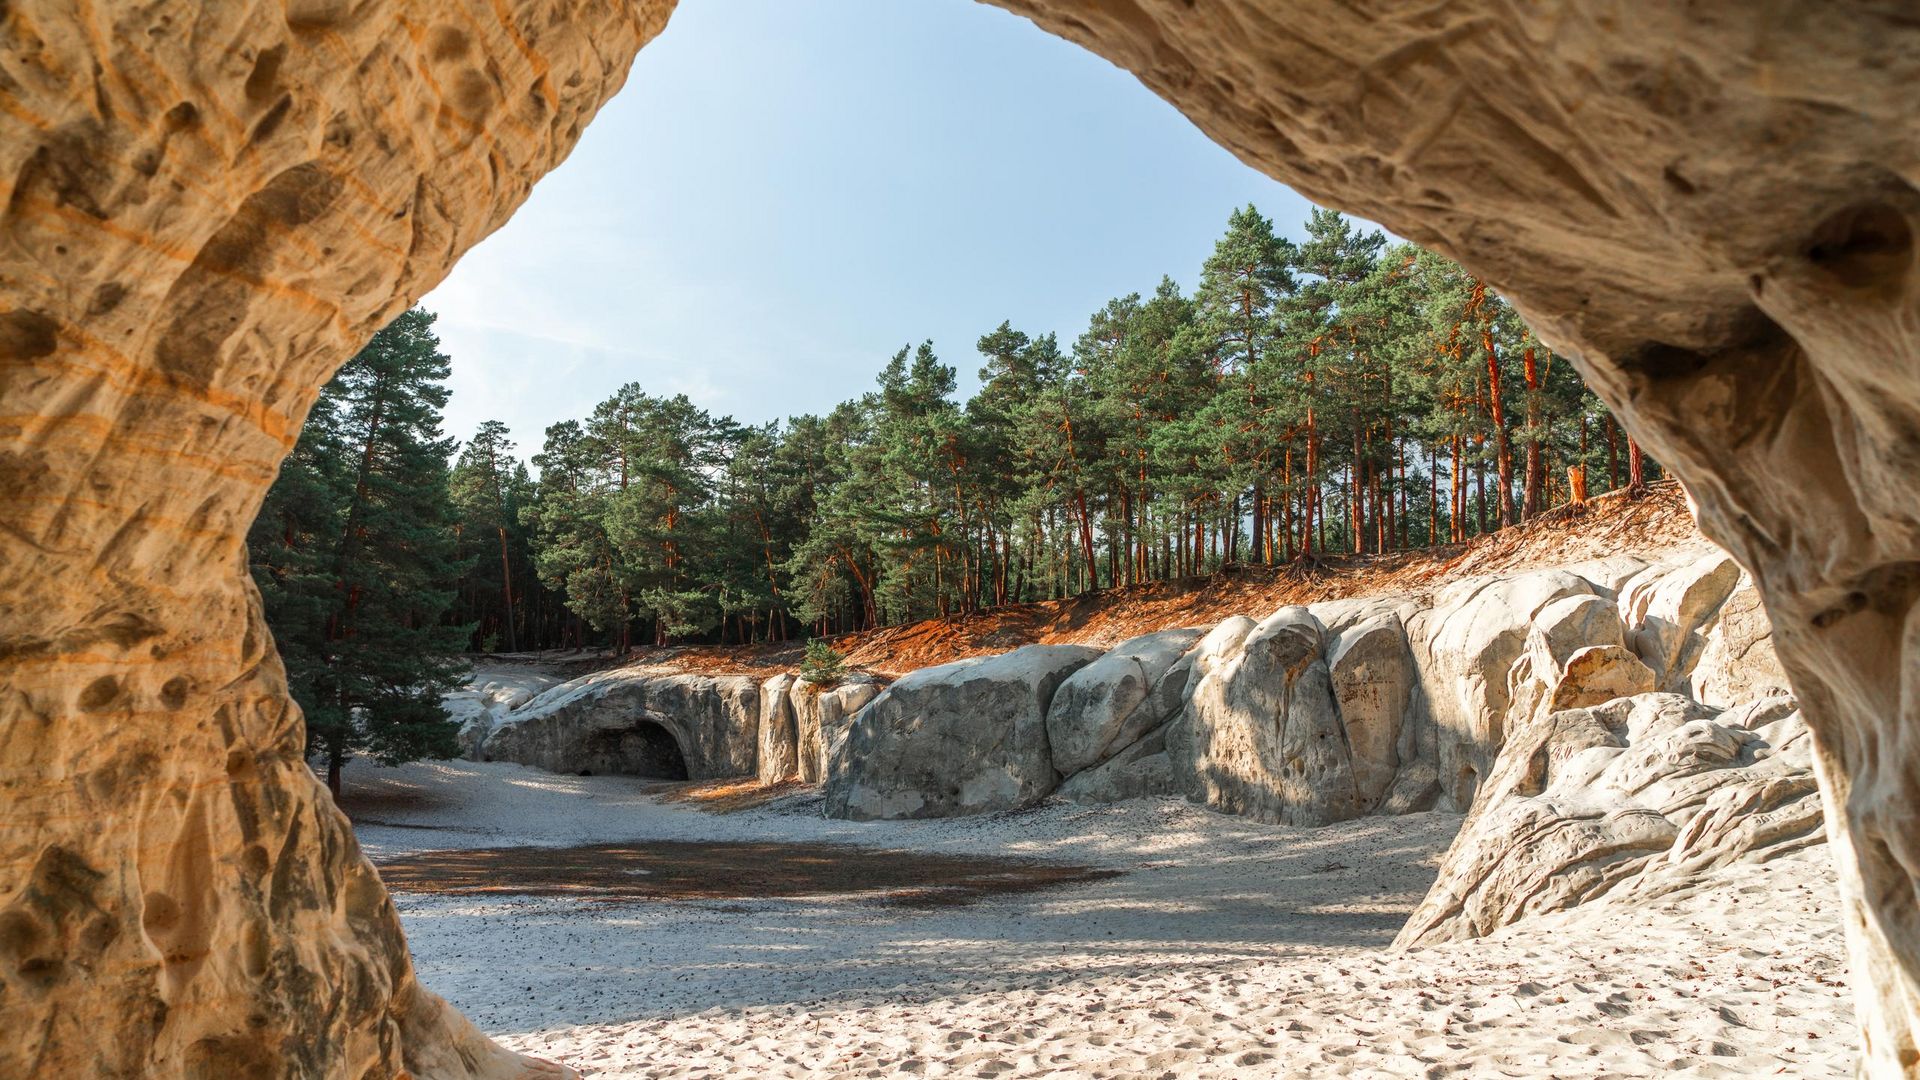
x,y
1227,949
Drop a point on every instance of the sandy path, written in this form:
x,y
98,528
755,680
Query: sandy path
x,y
1225,949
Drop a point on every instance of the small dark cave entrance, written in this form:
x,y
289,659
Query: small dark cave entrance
x,y
646,750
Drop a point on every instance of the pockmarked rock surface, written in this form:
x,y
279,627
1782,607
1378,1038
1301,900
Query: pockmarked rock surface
x,y
204,210
1720,232
962,738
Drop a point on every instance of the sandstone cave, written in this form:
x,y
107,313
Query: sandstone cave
x,y
647,750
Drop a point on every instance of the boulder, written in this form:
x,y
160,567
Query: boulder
x,y
968,737
1467,644
1609,573
1667,607
1135,687
1215,647
1141,770
821,714
1416,789
1737,659
1568,625
1634,798
489,694
1600,673
1559,630
1374,684
779,742
1262,734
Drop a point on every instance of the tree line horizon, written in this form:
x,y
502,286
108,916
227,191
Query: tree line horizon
x,y
1339,395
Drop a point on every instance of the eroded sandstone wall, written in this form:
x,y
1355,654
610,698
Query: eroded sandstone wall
x,y
204,209
717,724
1712,207
209,206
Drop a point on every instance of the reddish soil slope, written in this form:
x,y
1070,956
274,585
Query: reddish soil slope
x,y
1608,525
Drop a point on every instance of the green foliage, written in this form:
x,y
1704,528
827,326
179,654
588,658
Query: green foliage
x,y
822,665
354,555
1339,395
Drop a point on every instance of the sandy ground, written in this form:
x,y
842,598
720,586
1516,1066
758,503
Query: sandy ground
x,y
1223,949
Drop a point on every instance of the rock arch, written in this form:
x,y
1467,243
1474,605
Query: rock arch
x,y
647,748
204,208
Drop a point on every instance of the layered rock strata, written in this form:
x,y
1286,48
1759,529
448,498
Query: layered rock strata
x,y
1635,797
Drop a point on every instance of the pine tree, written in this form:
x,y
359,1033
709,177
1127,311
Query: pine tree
x,y
1335,396
573,554
489,487
357,561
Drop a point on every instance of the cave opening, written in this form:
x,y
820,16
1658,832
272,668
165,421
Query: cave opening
x,y
647,750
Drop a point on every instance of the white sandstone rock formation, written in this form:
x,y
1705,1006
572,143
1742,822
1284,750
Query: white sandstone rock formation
x,y
1106,706
779,734
1669,610
962,738
1536,697
1141,770
635,722
1738,660
1263,734
1599,673
1636,796
489,694
1364,705
821,714
1375,684
1466,643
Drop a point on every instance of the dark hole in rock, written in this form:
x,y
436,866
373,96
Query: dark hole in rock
x,y
1864,246
645,749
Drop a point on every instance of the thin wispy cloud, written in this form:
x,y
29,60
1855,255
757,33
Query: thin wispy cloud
x,y
785,194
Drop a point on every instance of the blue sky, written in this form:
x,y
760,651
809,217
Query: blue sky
x,y
787,192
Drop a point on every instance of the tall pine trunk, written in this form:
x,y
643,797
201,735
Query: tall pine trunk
x,y
1433,494
1536,470
1502,453
1310,494
1613,454
336,758
1357,489
506,591
1256,553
